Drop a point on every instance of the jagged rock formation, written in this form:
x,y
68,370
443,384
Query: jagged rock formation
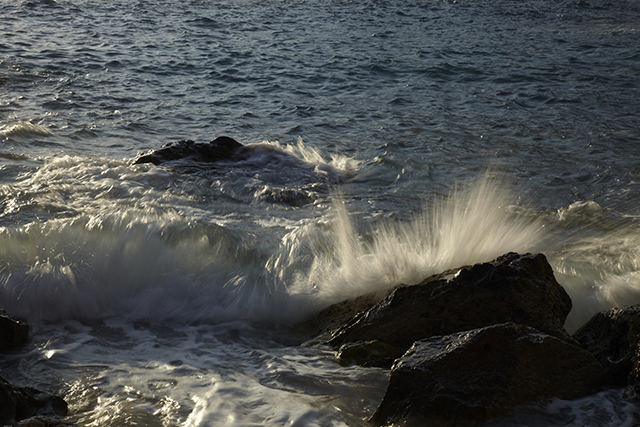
x,y
513,288
19,403
481,341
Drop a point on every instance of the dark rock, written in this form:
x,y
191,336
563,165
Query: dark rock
x,y
220,149
478,375
613,337
296,197
634,377
369,353
513,288
43,422
319,327
19,403
12,332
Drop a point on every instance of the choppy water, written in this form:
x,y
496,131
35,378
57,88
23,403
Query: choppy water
x,y
404,137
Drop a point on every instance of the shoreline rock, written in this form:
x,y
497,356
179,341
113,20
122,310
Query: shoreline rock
x,y
20,403
512,288
613,337
478,375
467,345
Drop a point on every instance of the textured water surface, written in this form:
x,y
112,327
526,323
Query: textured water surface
x,y
393,139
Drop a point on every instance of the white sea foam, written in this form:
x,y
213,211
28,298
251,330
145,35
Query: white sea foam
x,y
147,251
292,156
201,375
117,239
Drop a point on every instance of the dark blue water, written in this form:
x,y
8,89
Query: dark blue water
x,y
399,138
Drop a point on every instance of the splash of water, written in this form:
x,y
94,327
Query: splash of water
x,y
334,169
596,257
116,242
475,223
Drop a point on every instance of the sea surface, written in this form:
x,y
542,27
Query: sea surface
x,y
398,138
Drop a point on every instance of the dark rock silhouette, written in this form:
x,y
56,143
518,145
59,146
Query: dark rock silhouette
x,y
368,353
613,337
222,148
320,327
13,333
478,375
513,288
19,403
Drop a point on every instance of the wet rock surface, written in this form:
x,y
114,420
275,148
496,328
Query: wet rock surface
x,y
39,421
220,149
613,337
479,341
368,353
19,403
513,288
482,374
320,327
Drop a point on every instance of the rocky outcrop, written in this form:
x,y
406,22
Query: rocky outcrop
x,y
220,149
19,403
320,327
613,337
513,288
481,341
475,376
39,421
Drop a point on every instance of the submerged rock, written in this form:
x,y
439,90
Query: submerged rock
x,y
220,149
13,333
485,373
613,337
19,403
513,288
264,172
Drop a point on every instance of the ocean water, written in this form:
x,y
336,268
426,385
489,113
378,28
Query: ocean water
x,y
395,139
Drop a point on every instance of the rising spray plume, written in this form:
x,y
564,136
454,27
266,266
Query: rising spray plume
x,y
476,222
